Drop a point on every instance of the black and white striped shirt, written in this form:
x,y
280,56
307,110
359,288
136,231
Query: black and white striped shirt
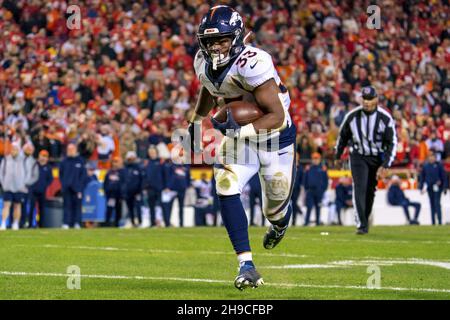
x,y
368,135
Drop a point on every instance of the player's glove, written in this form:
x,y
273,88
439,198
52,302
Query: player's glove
x,y
195,134
230,125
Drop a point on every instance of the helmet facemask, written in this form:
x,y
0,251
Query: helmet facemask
x,y
216,58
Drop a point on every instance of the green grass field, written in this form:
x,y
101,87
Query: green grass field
x,y
198,263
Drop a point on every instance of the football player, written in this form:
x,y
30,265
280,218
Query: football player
x,y
228,71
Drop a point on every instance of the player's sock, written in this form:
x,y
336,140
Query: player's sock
x,y
283,222
245,259
235,221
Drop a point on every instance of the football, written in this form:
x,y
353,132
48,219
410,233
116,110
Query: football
x,y
243,112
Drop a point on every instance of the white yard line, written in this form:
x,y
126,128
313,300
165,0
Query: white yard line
x,y
289,255
364,262
286,285
373,240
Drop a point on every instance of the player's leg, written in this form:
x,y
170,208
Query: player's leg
x,y
252,201
372,183
360,175
277,174
232,171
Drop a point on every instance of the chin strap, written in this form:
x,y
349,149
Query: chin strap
x,y
219,60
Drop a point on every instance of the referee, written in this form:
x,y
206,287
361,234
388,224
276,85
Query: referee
x,y
369,131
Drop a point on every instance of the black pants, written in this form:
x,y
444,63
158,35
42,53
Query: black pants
x,y
313,200
72,208
116,208
295,207
435,205
339,206
39,198
134,202
416,205
364,172
154,199
24,214
167,209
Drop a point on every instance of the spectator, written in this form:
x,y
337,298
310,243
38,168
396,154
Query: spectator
x,y
203,203
41,142
132,188
127,143
142,144
32,170
5,141
87,145
15,179
315,183
114,180
433,178
446,157
296,193
344,196
177,178
435,145
215,204
73,176
154,181
305,149
39,188
105,147
396,197
90,171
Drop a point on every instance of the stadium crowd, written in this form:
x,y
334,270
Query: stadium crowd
x,y
124,80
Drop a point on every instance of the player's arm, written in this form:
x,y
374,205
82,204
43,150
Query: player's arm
x,y
266,95
256,73
204,105
345,135
390,144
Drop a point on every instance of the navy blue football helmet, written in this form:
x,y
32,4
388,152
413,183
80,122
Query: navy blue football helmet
x,y
221,21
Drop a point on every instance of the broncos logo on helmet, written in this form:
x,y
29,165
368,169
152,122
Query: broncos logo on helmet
x,y
220,22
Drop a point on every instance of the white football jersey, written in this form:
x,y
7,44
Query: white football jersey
x,y
240,77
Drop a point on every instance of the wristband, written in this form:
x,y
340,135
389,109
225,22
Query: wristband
x,y
196,118
247,131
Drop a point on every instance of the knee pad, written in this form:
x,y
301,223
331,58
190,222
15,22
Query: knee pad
x,y
227,183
